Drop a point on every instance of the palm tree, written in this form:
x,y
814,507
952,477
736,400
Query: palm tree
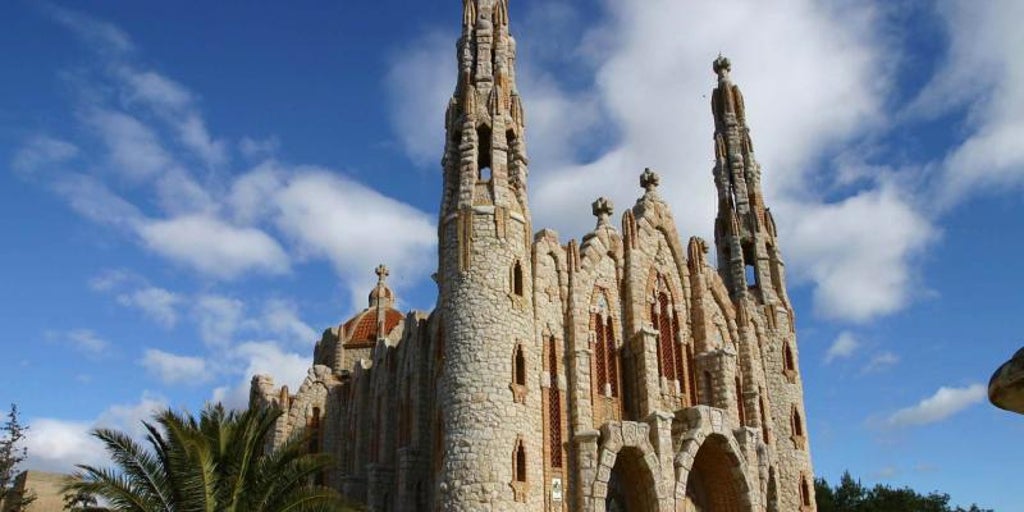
x,y
218,463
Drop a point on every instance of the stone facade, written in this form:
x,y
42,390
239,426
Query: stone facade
x,y
46,490
620,372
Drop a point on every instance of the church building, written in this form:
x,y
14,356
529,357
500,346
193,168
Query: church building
x,y
620,372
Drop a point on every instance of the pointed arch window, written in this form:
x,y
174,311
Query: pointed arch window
x,y
673,358
797,428
519,461
520,364
519,375
788,362
606,361
554,406
519,485
805,492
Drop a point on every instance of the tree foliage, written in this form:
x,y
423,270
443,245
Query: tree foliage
x,y
217,462
852,496
12,454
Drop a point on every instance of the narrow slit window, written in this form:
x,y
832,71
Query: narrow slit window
x,y
483,162
751,275
805,492
520,366
517,279
555,404
519,462
739,401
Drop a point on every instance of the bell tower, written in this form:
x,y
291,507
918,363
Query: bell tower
x,y
745,235
489,392
751,266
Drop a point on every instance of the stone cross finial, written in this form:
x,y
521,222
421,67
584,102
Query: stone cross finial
x,y
722,66
603,209
382,273
649,180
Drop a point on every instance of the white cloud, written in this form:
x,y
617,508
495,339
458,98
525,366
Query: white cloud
x,y
129,417
815,76
258,148
41,152
90,198
58,445
420,82
844,346
175,369
984,72
356,228
179,194
219,318
263,358
88,342
859,251
101,36
134,149
881,361
157,303
946,402
175,106
111,279
281,317
213,247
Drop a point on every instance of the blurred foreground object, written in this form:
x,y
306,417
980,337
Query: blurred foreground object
x,y
1006,389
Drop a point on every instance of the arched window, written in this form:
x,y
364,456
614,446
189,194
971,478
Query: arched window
x,y
606,360
554,406
612,354
519,461
666,343
520,366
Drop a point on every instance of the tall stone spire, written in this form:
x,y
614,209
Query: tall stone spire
x,y
745,234
485,157
485,277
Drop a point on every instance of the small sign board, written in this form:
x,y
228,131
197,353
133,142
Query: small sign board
x,y
556,489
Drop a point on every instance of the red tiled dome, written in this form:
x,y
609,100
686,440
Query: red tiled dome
x,y
362,329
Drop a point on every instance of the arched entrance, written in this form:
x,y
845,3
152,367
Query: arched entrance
x,y
715,482
631,487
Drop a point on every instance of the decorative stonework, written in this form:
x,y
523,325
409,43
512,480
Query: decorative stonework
x,y
621,368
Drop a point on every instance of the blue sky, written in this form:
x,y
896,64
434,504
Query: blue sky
x,y
191,192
